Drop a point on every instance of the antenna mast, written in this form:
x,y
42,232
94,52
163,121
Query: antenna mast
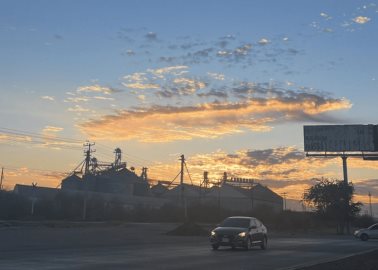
x,y
88,151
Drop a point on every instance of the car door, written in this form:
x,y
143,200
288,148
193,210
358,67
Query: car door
x,y
254,231
260,229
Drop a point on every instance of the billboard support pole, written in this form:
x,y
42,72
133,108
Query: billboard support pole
x,y
345,172
345,169
343,141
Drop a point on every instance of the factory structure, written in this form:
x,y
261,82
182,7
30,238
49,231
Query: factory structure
x,y
116,181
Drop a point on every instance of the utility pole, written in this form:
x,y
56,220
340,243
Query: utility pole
x,y
144,173
284,200
34,198
225,177
219,199
370,207
205,179
182,159
1,179
182,188
87,153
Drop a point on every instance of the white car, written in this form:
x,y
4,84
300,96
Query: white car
x,y
368,233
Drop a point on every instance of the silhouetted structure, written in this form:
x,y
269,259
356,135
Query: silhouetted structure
x,y
114,181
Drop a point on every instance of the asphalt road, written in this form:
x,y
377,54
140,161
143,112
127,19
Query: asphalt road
x,y
144,246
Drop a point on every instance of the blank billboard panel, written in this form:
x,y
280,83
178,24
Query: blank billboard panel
x,y
341,138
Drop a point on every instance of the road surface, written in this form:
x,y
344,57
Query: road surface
x,y
145,246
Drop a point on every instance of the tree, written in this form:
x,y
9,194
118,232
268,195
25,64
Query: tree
x,y
333,200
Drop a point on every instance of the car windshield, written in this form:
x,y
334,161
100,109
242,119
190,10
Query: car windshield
x,y
235,222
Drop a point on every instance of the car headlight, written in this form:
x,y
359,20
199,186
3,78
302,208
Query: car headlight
x,y
242,234
213,233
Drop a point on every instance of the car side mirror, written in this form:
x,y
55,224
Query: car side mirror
x,y
252,227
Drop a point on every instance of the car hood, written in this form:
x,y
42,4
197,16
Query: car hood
x,y
361,230
229,230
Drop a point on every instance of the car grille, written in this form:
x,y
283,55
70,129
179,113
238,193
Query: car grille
x,y
222,236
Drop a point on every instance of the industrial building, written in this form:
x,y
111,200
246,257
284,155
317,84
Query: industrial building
x,y
115,181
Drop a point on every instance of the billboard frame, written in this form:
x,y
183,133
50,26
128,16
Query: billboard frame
x,y
366,155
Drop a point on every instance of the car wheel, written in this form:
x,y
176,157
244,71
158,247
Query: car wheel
x,y
215,247
248,245
364,237
264,243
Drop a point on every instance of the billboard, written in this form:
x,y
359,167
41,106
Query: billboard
x,y
341,138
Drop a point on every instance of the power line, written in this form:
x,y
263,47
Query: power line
x,y
38,135
40,143
20,136
12,168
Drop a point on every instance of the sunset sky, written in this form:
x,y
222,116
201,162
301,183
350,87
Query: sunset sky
x,y
230,84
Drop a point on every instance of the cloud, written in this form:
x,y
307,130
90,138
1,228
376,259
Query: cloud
x,y
25,175
97,89
141,85
367,185
136,77
130,52
325,16
14,138
170,81
263,41
214,93
151,36
103,98
49,98
327,30
77,108
76,99
184,86
224,53
243,50
48,138
282,169
216,76
212,120
141,97
361,19
173,70
52,129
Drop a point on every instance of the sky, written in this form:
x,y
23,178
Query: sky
x,y
229,84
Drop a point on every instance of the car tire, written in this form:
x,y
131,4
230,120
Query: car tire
x,y
248,245
364,237
264,243
215,247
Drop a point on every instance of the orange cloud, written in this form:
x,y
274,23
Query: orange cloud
x,y
284,169
27,176
208,120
